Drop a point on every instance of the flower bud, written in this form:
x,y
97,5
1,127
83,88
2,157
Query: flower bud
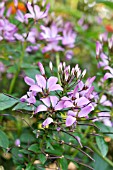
x,y
51,65
41,68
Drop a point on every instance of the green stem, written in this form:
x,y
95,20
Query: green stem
x,y
18,70
97,151
57,64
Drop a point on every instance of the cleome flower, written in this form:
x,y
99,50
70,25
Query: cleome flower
x,y
50,104
36,13
44,85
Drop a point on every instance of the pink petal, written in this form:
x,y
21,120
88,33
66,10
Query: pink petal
x,y
75,91
70,120
29,81
82,101
65,98
68,104
85,111
35,88
41,108
109,68
71,113
28,16
37,10
41,81
46,101
79,141
107,76
55,87
90,90
31,100
54,100
47,121
51,81
42,70
30,8
23,98
59,106
81,85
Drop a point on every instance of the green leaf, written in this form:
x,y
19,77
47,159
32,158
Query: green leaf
x,y
17,157
42,158
30,167
64,163
100,164
55,152
104,128
102,145
23,106
34,148
29,66
4,142
49,145
12,69
6,101
27,138
106,2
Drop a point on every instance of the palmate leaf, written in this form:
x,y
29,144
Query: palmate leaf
x,y
6,101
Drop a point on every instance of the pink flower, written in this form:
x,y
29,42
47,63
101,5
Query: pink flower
x,y
51,104
108,75
98,48
48,121
20,17
35,12
50,34
46,85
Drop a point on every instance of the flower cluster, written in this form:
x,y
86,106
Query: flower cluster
x,y
75,100
58,38
104,63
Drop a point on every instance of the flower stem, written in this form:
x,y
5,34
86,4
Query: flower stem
x,y
57,64
11,88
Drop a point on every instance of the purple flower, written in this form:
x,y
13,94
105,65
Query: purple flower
x,y
69,54
98,48
105,102
7,30
17,142
104,61
42,70
20,17
45,85
71,118
48,121
69,37
2,68
35,12
50,34
2,10
32,49
108,75
51,104
16,3
54,47
103,37
30,98
105,118
110,42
